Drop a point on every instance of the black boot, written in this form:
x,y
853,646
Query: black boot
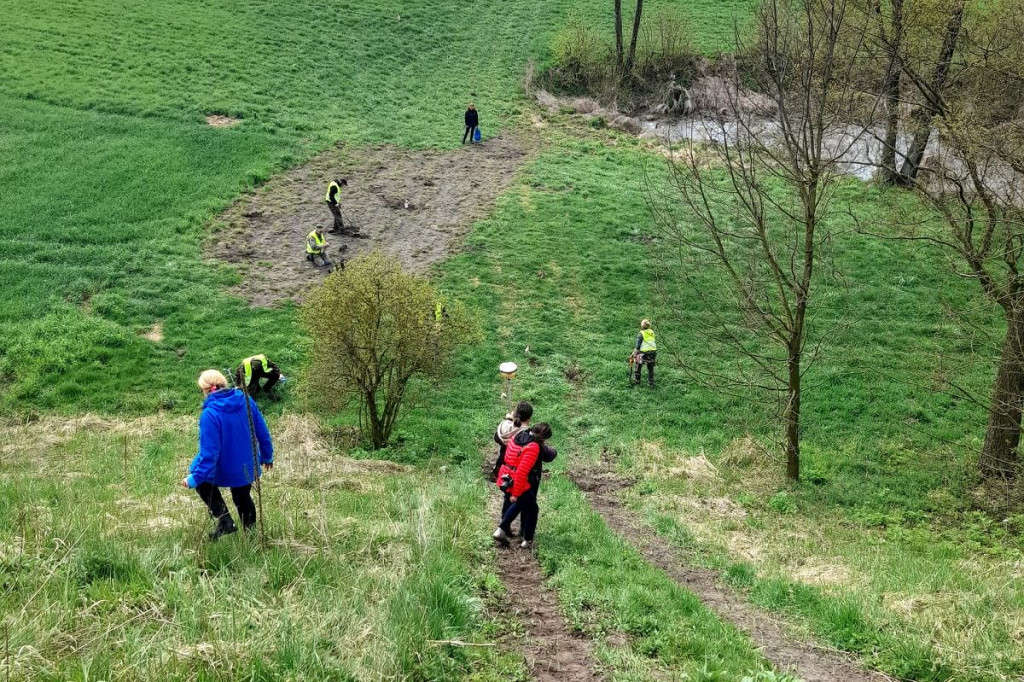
x,y
225,526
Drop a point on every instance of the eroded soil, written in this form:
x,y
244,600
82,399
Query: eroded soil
x,y
810,662
415,205
553,651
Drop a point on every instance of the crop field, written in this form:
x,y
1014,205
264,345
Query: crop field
x,y
379,566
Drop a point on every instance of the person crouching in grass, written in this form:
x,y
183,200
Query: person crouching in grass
x,y
225,458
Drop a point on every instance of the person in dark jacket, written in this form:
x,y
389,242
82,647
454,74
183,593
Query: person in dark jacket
x,y
523,467
514,422
472,122
225,456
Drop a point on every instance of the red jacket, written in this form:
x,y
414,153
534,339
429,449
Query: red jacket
x,y
519,460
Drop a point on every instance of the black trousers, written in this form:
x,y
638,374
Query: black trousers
x,y
526,505
272,375
210,495
339,224
470,133
647,359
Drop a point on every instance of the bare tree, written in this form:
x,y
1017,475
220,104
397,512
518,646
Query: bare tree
x,y
631,57
978,198
618,34
892,34
624,63
975,186
931,89
761,197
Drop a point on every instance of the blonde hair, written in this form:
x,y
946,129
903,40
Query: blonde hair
x,y
211,379
645,324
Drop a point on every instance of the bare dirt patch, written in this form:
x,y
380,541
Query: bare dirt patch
x,y
221,121
415,205
810,662
154,333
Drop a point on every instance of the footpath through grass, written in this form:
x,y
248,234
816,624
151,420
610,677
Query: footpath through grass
x,y
877,552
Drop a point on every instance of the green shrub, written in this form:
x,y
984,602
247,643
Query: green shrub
x,y
584,59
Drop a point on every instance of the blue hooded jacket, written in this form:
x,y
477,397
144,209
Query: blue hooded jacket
x,y
225,446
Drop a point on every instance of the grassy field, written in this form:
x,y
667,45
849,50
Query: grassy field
x,y
110,178
878,551
107,573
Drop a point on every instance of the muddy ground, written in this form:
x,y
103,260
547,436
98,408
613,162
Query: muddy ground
x,y
810,662
416,205
552,649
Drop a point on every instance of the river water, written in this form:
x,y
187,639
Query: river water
x,y
855,150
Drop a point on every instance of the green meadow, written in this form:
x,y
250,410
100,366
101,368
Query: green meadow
x,y
109,182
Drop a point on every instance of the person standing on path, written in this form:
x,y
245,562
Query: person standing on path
x,y
472,122
333,203
316,248
519,478
225,457
647,351
514,422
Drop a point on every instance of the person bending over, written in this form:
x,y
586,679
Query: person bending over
x,y
316,248
225,458
253,370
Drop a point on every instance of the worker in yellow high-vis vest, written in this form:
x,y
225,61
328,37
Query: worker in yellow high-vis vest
x,y
255,369
333,199
647,352
316,248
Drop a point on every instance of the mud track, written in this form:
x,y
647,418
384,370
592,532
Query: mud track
x,y
416,205
808,661
553,651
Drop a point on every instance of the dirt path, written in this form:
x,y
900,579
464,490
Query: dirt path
x,y
810,662
554,652
416,205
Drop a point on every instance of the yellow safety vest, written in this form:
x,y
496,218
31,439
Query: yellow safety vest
x,y
247,364
327,197
318,240
438,312
647,344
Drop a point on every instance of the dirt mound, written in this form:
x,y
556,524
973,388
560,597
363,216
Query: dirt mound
x,y
415,205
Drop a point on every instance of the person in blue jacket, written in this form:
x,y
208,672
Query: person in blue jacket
x,y
225,453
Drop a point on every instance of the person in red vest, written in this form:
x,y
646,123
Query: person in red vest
x,y
519,478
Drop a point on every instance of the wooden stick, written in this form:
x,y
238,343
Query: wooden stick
x,y
458,642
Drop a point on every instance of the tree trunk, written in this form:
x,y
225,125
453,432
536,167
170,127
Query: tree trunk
x,y
921,119
999,453
618,35
792,415
636,32
888,173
